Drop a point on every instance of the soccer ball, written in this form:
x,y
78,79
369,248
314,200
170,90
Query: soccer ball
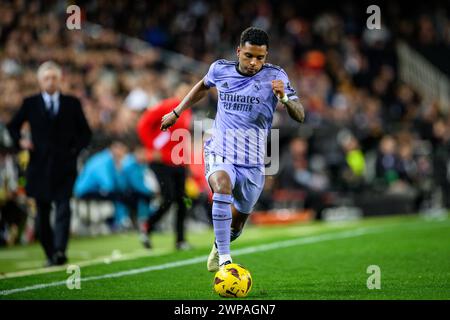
x,y
233,281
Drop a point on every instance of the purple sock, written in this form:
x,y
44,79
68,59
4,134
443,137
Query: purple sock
x,y
221,216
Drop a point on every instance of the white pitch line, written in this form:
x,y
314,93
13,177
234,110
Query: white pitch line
x,y
248,250
101,260
134,255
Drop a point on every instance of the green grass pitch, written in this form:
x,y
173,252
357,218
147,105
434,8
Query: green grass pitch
x,y
296,262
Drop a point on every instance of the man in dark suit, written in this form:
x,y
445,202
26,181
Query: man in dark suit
x,y
59,131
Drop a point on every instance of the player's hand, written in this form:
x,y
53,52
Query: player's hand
x,y
278,88
168,120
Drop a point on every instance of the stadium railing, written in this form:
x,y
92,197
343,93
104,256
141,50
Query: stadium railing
x,y
417,71
169,58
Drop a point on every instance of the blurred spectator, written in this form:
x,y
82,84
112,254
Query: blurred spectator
x,y
168,165
296,173
197,188
13,212
139,185
100,172
387,161
441,158
406,166
57,132
353,172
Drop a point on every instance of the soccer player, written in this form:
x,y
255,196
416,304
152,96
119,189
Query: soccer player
x,y
248,92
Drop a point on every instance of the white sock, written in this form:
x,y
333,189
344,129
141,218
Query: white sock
x,y
224,258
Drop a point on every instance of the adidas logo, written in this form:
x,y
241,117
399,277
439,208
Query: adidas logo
x,y
225,85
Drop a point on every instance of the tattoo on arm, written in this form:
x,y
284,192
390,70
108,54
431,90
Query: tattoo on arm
x,y
295,110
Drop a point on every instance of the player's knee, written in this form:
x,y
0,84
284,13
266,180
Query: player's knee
x,y
223,189
220,182
222,185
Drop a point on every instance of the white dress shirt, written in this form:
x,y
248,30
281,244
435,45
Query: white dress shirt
x,y
54,97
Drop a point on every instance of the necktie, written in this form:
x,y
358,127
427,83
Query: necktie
x,y
51,109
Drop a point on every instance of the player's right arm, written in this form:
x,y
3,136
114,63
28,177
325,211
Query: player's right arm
x,y
198,92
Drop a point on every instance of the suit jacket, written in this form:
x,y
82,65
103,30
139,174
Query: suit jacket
x,y
57,142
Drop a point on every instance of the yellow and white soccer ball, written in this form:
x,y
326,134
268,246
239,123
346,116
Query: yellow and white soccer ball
x,y
233,281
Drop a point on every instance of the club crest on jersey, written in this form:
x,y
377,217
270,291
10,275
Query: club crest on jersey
x,y
257,85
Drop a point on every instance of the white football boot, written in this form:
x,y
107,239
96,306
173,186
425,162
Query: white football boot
x,y
213,260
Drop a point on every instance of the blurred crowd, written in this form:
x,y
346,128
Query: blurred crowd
x,y
366,131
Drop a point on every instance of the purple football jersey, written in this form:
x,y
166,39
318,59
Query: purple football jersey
x,y
245,110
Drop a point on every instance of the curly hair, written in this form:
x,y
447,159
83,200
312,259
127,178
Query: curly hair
x,y
254,36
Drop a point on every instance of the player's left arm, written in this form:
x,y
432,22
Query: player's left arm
x,y
294,107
